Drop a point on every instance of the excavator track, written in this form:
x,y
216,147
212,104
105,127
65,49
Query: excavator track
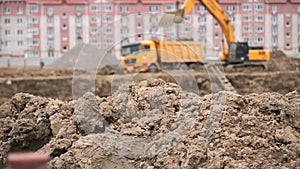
x,y
218,79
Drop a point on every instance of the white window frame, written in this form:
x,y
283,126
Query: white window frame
x,y
107,8
7,10
95,8
20,10
170,7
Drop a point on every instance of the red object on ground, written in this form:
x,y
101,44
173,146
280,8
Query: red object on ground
x,y
27,160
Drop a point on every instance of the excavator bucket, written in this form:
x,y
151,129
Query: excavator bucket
x,y
171,17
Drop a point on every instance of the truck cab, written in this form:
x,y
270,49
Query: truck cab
x,y
136,57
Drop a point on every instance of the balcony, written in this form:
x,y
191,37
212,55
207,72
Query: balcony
x,y
79,25
50,25
274,33
50,13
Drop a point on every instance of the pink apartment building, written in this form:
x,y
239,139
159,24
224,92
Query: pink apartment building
x,y
49,28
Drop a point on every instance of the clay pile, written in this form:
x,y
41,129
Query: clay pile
x,y
156,125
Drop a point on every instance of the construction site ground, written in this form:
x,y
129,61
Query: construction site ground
x,y
254,125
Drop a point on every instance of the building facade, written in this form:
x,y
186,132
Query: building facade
x,y
49,28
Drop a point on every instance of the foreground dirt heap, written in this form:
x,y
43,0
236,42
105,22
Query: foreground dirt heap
x,y
155,125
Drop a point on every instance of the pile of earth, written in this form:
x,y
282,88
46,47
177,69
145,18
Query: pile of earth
x,y
154,124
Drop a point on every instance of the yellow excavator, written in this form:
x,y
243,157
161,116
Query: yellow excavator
x,y
237,52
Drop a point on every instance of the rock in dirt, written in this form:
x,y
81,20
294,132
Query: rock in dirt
x,y
154,124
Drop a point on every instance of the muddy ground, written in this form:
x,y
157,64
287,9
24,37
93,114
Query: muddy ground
x,y
147,121
153,124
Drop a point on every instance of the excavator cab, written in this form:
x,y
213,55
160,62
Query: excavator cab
x,y
238,52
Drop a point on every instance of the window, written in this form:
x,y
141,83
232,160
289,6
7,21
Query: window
x,y
94,30
274,40
153,8
140,36
65,48
201,9
259,28
274,9
247,39
95,8
64,26
7,10
33,31
246,29
139,25
78,20
216,24
49,10
246,18
107,8
19,21
232,18
170,7
33,8
107,42
50,32
287,45
64,14
124,31
247,7
124,41
288,34
202,29
50,20
7,44
95,19
216,35
107,19
230,8
7,32
78,31
108,30
187,18
78,9
95,41
274,30
259,18
33,20
6,21
287,24
259,39
288,13
187,30
50,53
19,10
202,19
258,7
274,19
19,32
153,19
124,9
125,19
65,38
20,43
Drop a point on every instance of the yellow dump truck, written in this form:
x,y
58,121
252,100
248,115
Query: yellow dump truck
x,y
155,55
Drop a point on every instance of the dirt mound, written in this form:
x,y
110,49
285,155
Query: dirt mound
x,y
156,125
281,62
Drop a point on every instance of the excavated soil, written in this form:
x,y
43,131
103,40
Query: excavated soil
x,y
154,124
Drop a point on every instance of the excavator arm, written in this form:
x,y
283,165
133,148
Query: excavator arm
x,y
216,11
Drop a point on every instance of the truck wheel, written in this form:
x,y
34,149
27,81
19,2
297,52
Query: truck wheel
x,y
153,68
194,66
